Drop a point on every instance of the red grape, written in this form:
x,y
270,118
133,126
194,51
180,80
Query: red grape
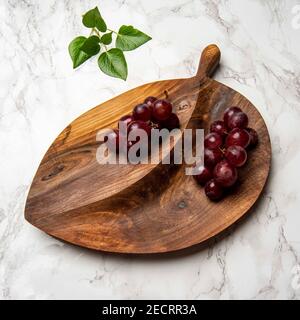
x,y
224,152
236,156
229,112
149,101
218,127
213,190
213,140
202,174
253,137
225,174
171,123
162,110
238,137
142,112
139,125
212,157
126,119
237,120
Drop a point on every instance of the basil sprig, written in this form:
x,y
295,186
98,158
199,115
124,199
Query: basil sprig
x,y
111,60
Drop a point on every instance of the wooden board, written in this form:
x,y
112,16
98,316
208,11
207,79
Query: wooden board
x,y
143,208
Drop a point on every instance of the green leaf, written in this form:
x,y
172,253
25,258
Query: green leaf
x,y
113,63
77,55
106,38
130,38
93,19
91,45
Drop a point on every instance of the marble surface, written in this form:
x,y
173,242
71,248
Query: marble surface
x,y
40,94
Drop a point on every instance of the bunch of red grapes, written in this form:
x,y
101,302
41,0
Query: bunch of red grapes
x,y
225,151
153,113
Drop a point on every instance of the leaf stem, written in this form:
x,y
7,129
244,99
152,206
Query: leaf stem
x,y
97,32
91,32
112,31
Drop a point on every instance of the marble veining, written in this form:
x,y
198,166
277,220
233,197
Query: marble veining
x,y
40,94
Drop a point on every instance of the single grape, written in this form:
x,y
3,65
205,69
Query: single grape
x,y
139,125
229,112
237,120
135,125
112,140
225,174
218,127
142,112
213,140
149,101
126,120
162,110
236,156
202,174
238,137
212,157
253,137
171,123
213,190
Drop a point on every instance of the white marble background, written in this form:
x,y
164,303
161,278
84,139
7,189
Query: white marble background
x,y
40,94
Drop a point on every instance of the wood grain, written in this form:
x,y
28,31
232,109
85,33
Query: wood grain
x,y
143,208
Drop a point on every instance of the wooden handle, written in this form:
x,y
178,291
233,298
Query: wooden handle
x,y
210,59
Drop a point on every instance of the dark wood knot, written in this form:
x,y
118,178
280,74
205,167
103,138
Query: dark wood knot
x,y
56,170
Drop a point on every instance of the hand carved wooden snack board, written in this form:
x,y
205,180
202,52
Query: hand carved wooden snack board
x,y
144,208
